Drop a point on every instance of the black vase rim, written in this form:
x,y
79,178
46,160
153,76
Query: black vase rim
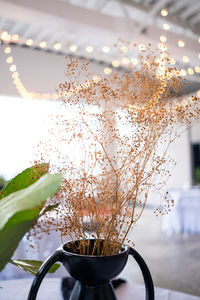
x,y
122,251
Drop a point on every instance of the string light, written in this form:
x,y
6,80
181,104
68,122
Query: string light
x,y
13,68
166,26
115,63
186,59
15,37
198,93
7,50
107,71
29,42
164,12
73,48
181,44
43,44
183,72
190,71
197,69
105,49
15,75
9,60
5,36
89,49
163,38
57,46
19,85
199,56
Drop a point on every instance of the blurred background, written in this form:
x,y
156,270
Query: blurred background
x,y
35,37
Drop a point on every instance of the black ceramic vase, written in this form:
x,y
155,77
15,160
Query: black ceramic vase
x,y
93,274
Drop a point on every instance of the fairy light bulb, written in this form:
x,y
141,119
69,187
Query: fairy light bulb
x,y
186,59
164,12
163,38
13,68
9,60
166,26
105,49
7,50
107,71
73,48
43,44
115,63
181,44
29,42
57,46
15,37
89,49
190,71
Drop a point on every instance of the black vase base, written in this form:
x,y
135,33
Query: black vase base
x,y
68,284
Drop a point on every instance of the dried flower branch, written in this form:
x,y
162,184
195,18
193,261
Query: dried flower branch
x,y
112,147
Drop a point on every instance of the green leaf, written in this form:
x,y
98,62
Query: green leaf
x,y
19,211
24,179
31,266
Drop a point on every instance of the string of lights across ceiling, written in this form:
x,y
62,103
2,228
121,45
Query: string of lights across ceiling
x,y
15,39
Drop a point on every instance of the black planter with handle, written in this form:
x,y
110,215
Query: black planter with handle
x,y
93,274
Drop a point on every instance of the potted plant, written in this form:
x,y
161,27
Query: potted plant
x,y
110,141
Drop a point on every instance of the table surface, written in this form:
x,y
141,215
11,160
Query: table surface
x,y
50,290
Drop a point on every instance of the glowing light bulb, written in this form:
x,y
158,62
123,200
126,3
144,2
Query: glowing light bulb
x,y
197,69
15,75
181,44
7,50
12,68
105,49
42,44
190,71
15,37
183,72
164,12
115,63
9,60
107,71
29,42
5,36
166,26
89,49
57,46
186,59
73,48
163,38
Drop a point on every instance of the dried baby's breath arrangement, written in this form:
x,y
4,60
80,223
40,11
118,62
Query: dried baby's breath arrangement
x,y
111,141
